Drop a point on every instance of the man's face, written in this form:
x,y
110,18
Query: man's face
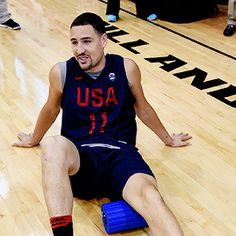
x,y
88,47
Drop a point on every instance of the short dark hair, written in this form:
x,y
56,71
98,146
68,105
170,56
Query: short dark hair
x,y
89,18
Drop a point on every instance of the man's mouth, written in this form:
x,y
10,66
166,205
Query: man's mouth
x,y
83,59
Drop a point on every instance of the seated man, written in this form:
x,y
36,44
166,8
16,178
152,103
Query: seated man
x,y
95,156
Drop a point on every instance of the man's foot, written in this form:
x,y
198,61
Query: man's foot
x,y
229,30
10,24
112,18
152,17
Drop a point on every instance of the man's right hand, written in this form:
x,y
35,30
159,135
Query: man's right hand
x,y
25,140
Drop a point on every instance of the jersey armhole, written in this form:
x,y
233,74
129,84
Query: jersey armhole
x,y
62,66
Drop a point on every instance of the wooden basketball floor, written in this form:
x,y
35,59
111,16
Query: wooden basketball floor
x,y
189,77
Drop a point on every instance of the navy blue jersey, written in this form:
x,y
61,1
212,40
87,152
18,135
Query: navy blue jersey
x,y
98,109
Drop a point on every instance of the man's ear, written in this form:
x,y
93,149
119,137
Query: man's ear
x,y
104,39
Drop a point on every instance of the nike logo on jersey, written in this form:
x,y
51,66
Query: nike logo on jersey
x,y
79,77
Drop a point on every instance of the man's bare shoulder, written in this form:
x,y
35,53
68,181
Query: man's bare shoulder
x,y
55,77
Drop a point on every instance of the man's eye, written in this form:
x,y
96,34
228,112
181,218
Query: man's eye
x,y
74,42
87,41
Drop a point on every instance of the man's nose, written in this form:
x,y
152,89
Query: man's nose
x,y
80,49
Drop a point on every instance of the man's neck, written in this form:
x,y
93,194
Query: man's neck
x,y
93,75
99,67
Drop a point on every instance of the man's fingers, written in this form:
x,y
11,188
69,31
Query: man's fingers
x,y
24,140
186,143
182,144
16,144
186,137
183,136
21,135
20,144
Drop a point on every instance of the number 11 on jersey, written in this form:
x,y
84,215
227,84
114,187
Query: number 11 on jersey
x,y
93,122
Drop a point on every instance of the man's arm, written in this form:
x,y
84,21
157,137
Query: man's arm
x,y
146,113
48,113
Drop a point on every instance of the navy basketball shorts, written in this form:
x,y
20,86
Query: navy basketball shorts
x,y
105,169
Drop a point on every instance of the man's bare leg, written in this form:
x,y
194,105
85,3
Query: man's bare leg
x,y
142,194
60,159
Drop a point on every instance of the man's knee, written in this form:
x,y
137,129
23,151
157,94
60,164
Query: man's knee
x,y
51,141
143,186
49,147
150,194
59,151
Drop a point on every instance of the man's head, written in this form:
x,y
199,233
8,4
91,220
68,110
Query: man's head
x,y
89,18
88,39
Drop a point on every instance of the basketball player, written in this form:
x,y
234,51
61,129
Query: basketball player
x,y
95,156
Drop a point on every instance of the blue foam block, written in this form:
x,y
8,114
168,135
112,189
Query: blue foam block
x,y
119,216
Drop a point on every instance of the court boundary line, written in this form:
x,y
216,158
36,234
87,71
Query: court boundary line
x,y
179,34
